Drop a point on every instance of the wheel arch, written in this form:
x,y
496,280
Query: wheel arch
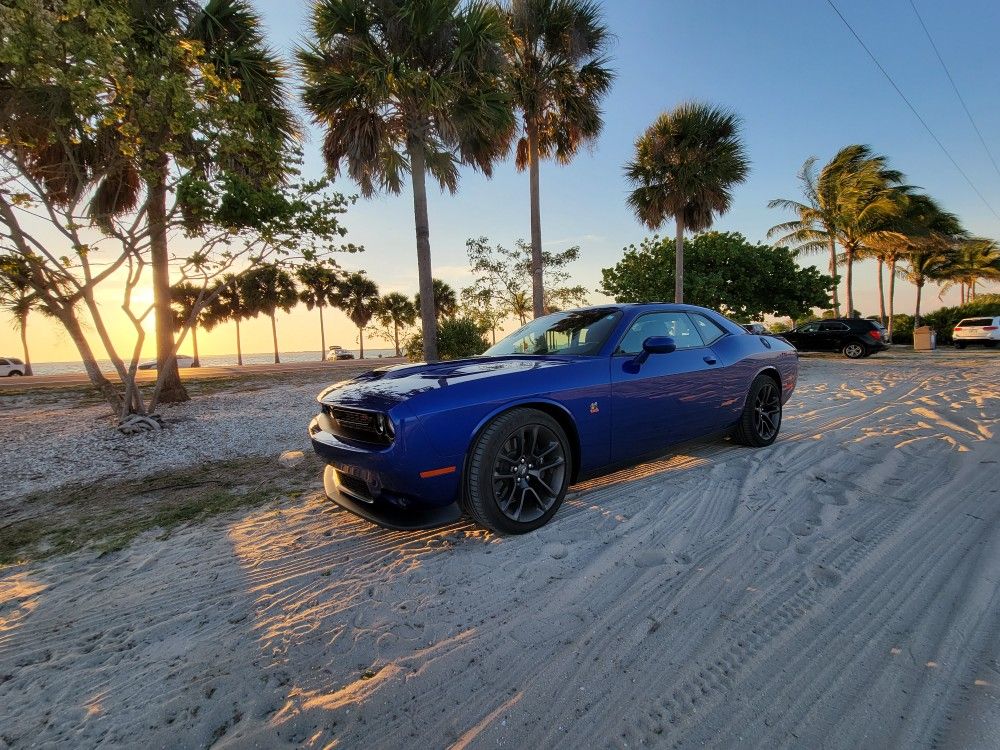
x,y
554,409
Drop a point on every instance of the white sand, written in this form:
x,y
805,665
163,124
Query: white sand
x,y
839,589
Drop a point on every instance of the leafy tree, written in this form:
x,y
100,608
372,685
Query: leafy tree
x,y
18,298
357,295
558,75
502,275
521,306
445,303
927,263
266,289
458,338
319,285
746,281
479,306
408,86
685,166
396,311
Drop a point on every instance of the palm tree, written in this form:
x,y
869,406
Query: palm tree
x,y
918,222
927,263
409,86
398,311
685,166
185,297
445,303
521,306
228,305
975,260
267,289
558,75
357,295
848,201
18,297
319,283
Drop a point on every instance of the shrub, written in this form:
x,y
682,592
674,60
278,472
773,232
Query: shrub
x,y
457,338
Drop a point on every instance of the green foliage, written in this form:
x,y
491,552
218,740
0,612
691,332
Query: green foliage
x,y
357,295
685,166
445,301
727,273
266,289
504,275
457,338
319,284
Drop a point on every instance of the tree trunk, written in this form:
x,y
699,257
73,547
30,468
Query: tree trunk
x,y
322,334
961,293
239,346
104,386
679,261
166,362
395,331
196,361
274,335
972,291
833,274
892,293
24,345
428,320
361,342
537,272
849,280
881,294
916,313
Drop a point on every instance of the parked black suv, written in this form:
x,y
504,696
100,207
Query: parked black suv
x,y
855,337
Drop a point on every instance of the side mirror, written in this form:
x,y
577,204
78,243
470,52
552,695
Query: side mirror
x,y
654,345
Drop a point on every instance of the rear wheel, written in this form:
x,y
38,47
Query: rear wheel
x,y
518,472
761,418
12,373
854,350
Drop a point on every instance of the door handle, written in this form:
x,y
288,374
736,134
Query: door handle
x,y
709,359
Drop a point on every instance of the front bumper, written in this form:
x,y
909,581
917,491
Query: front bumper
x,y
383,484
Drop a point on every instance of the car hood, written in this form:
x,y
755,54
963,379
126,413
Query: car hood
x,y
387,386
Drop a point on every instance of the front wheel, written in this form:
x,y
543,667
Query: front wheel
x,y
13,373
761,418
854,350
518,472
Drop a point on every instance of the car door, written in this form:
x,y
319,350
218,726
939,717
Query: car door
x,y
4,367
806,338
663,399
834,335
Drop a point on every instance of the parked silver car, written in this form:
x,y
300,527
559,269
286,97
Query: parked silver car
x,y
10,366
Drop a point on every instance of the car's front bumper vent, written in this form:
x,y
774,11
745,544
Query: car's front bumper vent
x,y
359,424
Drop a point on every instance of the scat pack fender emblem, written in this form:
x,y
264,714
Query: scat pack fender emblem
x,y
594,409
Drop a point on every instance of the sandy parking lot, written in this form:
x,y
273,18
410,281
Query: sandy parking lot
x,y
839,589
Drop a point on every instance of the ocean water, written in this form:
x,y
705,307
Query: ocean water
x,y
212,360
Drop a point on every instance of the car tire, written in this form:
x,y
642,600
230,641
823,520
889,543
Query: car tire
x,y
12,373
959,344
854,350
760,421
513,484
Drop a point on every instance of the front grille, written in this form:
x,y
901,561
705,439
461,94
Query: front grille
x,y
358,424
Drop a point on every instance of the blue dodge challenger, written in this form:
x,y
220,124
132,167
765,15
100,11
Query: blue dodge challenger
x,y
500,437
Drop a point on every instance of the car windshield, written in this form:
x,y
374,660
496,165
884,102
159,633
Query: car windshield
x,y
580,332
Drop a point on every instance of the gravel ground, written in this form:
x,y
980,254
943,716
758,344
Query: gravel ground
x,y
51,441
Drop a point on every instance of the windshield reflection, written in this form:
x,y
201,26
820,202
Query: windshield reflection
x,y
575,332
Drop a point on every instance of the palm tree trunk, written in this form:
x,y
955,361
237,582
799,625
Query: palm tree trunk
x,y
428,320
849,280
239,346
196,362
395,332
322,334
361,342
24,344
892,293
881,295
961,292
972,291
916,312
172,390
274,335
679,261
833,274
537,278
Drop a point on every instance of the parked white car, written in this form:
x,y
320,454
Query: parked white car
x,y
183,360
985,331
11,366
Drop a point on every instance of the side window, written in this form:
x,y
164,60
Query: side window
x,y
810,328
834,327
710,332
677,326
3,362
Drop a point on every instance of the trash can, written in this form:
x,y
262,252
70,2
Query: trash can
x,y
924,339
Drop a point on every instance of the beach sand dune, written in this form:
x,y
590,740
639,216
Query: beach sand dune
x,y
839,589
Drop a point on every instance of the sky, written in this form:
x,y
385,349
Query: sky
x,y
790,68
